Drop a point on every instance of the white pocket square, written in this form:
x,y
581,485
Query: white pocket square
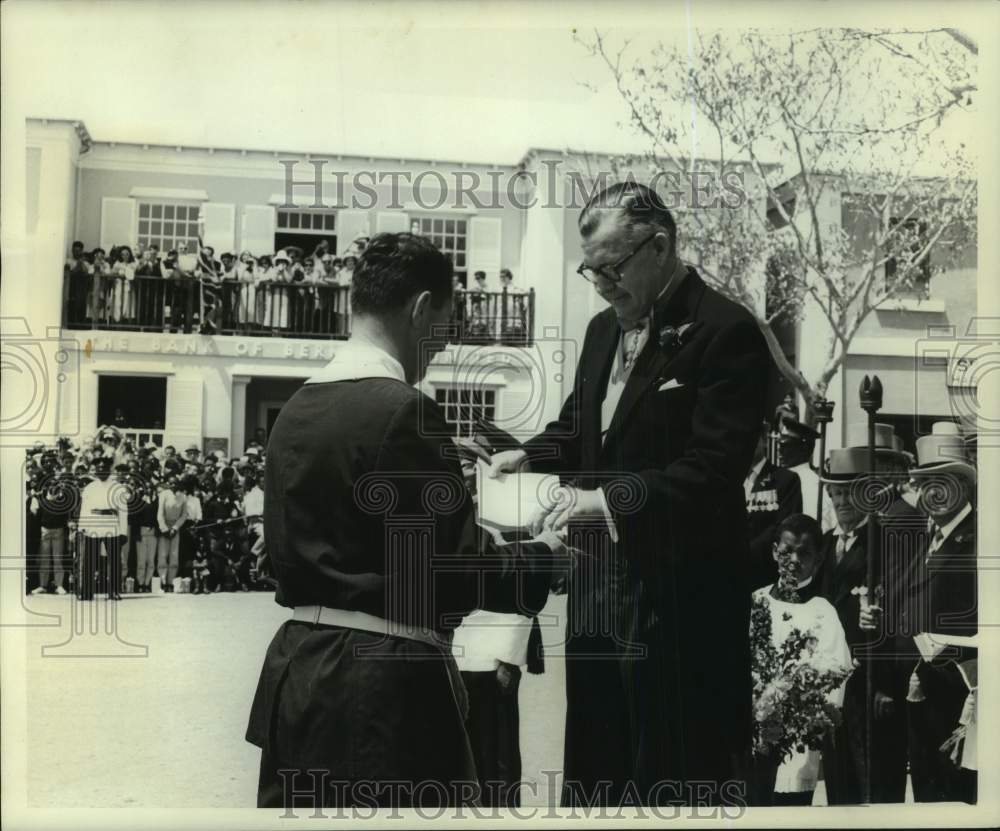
x,y
672,384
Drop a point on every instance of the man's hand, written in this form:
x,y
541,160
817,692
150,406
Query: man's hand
x,y
507,676
554,541
508,461
471,450
885,705
869,618
573,504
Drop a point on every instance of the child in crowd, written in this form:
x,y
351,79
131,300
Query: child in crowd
x,y
200,570
801,664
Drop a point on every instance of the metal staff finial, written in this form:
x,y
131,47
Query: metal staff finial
x,y
823,413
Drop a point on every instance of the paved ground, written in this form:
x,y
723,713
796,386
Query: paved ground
x,y
164,728
156,716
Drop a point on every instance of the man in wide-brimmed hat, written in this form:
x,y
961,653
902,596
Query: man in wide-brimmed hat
x,y
944,603
854,495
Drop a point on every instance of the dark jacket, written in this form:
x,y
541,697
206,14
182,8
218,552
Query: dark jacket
x,y
366,509
944,601
670,601
886,657
776,494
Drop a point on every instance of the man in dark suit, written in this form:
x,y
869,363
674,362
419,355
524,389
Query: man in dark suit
x,y
943,604
772,493
657,437
373,542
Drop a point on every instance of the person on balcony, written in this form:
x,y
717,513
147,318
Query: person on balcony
x,y
229,290
245,297
180,292
326,292
278,278
262,271
98,307
123,272
514,312
149,291
77,272
208,274
479,325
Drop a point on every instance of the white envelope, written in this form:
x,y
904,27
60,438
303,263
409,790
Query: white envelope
x,y
672,384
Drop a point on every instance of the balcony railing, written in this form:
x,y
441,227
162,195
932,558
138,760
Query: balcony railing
x,y
267,309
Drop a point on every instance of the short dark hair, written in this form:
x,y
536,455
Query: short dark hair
x,y
801,525
640,204
393,268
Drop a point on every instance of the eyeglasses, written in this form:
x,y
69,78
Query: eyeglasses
x,y
611,272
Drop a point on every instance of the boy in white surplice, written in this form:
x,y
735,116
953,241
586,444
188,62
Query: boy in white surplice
x,y
788,777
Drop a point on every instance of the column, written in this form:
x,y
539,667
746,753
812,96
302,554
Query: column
x,y
237,430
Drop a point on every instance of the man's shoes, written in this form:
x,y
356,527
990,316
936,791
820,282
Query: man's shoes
x,y
39,590
60,590
114,596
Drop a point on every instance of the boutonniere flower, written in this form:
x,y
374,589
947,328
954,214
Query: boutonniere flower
x,y
674,337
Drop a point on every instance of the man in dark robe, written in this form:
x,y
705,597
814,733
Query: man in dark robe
x,y
374,544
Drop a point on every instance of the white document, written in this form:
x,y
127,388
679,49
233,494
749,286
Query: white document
x,y
508,502
932,644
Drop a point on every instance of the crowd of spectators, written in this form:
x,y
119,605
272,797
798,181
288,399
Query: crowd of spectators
x,y
184,291
290,291
177,521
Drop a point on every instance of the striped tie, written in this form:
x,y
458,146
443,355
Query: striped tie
x,y
632,344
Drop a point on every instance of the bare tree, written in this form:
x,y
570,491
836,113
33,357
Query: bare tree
x,y
810,122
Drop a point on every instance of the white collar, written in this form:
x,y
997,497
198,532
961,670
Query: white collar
x,y
951,526
359,359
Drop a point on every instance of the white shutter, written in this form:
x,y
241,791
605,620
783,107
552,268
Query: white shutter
x,y
118,222
185,406
392,222
220,226
484,246
350,226
257,233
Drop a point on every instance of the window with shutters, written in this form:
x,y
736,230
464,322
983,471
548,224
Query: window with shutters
x,y
449,234
168,224
464,406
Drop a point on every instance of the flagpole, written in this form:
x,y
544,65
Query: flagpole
x,y
871,402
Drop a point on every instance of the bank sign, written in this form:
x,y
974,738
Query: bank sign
x,y
206,346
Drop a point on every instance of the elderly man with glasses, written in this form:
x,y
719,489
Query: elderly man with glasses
x,y
656,438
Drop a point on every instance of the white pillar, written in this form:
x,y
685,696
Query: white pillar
x,y
237,431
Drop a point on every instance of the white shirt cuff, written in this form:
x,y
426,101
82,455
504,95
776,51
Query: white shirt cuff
x,y
612,530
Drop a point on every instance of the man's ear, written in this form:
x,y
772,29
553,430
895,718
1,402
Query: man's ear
x,y
774,551
420,307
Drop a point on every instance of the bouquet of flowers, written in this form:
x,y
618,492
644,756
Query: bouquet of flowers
x,y
792,684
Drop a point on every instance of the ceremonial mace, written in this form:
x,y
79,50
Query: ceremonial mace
x,y
871,403
823,413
